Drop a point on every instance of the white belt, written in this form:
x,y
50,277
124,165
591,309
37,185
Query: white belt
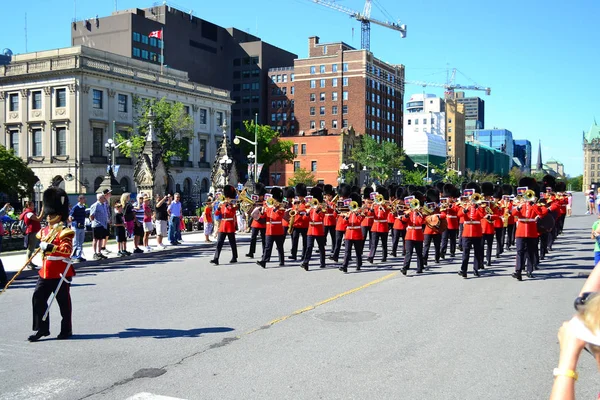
x,y
316,223
56,258
369,216
414,227
274,222
451,216
526,220
380,220
226,219
473,222
354,227
329,215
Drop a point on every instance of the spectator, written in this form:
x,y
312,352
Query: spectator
x,y
217,219
138,229
120,231
77,220
591,201
208,220
569,204
99,218
175,216
161,219
33,226
128,213
107,194
3,211
148,226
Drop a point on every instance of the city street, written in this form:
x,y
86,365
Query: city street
x,y
174,325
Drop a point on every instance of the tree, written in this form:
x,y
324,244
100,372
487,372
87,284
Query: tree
x,y
302,175
382,159
515,175
414,177
271,148
174,127
575,184
16,178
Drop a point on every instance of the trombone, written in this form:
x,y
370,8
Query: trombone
x,y
314,203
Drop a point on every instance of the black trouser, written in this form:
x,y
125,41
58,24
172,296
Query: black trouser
x,y
41,294
460,241
296,233
413,246
375,236
366,231
552,236
268,249
544,245
309,249
525,248
358,250
437,241
561,223
510,235
396,235
488,242
339,238
330,231
254,238
3,277
449,235
221,240
477,245
499,241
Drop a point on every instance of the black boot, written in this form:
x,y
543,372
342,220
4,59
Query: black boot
x,y
38,335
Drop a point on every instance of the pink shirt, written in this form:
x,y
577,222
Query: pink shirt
x,y
147,213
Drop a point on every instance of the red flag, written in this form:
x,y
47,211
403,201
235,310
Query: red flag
x,y
156,34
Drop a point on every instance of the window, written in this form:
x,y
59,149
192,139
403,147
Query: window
x,y
313,70
145,39
345,67
273,117
409,122
312,111
424,121
255,86
313,97
449,139
296,149
203,150
592,166
153,57
334,96
449,129
277,79
284,78
334,68
123,103
36,140
97,99
136,37
202,116
344,123
153,42
325,49
322,124
313,83
219,118
593,174
303,148
344,95
344,109
322,96
416,121
61,141
13,102
312,125
273,104
296,165
313,166
334,110
145,55
322,110
160,44
291,90
137,52
322,83
36,100
593,159
14,141
97,134
61,97
334,82
186,110
345,81
334,124
291,77
322,69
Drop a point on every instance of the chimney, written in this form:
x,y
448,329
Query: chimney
x,y
312,42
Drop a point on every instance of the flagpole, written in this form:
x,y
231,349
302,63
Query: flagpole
x,y
162,50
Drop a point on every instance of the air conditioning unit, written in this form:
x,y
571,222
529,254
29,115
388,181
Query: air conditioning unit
x,y
301,133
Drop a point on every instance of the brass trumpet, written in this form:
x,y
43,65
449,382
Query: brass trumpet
x,y
476,198
272,203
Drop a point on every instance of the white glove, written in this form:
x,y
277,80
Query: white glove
x,y
45,246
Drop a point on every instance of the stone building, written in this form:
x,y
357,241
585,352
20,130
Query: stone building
x,y
59,108
591,157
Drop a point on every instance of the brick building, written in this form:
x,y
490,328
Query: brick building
x,y
336,90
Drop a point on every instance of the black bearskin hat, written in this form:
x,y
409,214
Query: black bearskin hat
x,y
560,187
384,192
474,185
498,192
456,193
229,192
356,197
367,192
419,196
317,193
344,190
320,185
487,189
56,202
355,189
277,194
440,186
549,181
448,190
328,189
432,195
290,193
260,189
392,190
410,189
401,193
529,182
507,189
301,190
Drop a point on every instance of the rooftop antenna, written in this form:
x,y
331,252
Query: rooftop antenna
x,y
25,32
116,7
74,10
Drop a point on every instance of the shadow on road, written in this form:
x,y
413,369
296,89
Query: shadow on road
x,y
153,333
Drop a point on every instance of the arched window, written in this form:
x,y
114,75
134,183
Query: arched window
x,y
124,184
170,185
205,185
187,187
97,183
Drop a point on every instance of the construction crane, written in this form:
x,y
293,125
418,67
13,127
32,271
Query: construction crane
x,y
450,86
365,21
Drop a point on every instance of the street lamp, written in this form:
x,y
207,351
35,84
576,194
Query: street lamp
x,y
225,162
427,168
198,192
111,146
251,160
344,168
39,187
255,144
366,174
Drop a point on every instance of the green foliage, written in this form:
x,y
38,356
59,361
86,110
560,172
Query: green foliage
x,y
174,128
382,159
414,177
515,175
575,184
271,148
480,176
16,178
302,175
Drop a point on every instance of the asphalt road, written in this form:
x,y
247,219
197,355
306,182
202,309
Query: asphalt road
x,y
175,325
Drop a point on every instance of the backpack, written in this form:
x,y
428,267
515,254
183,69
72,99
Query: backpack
x,y
22,224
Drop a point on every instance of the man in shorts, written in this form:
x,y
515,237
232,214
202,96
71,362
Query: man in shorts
x,y
138,229
161,219
148,225
99,218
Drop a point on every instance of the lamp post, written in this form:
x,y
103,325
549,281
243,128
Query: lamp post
x,y
198,192
427,168
344,168
251,160
255,144
398,176
225,162
39,187
111,146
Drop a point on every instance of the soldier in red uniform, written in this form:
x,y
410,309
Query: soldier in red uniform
x,y
487,223
499,221
433,234
227,211
527,214
341,223
258,225
56,272
507,190
316,230
472,234
561,188
414,221
451,233
275,232
354,236
399,227
300,227
380,229
369,217
330,215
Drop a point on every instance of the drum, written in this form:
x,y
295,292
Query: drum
x,y
545,224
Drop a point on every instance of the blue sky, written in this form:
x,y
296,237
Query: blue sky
x,y
539,57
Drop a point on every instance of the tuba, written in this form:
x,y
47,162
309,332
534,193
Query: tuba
x,y
379,199
353,207
415,204
272,203
476,198
528,196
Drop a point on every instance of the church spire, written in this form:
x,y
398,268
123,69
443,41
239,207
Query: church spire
x,y
539,165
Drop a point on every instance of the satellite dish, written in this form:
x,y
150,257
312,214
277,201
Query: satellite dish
x,y
7,52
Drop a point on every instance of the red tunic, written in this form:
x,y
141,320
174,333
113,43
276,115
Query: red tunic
x,y
274,221
488,222
527,220
227,214
301,219
257,224
399,223
452,217
380,223
414,226
428,230
53,265
354,231
330,215
498,222
369,216
472,224
315,227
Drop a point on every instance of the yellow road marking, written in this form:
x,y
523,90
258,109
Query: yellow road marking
x,y
337,296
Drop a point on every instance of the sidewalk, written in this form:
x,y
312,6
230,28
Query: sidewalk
x,y
14,260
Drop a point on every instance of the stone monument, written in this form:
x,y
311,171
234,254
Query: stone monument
x,y
224,171
150,173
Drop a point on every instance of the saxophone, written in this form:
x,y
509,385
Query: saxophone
x,y
505,216
291,221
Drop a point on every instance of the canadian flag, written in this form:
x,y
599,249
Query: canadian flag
x,y
156,34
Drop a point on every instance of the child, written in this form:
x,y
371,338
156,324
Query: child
x,y
120,231
208,220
